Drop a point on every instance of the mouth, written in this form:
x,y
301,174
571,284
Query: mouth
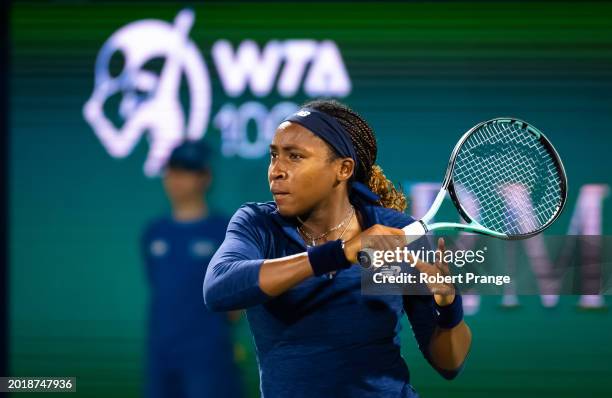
x,y
277,193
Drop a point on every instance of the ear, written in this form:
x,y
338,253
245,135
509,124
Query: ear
x,y
347,166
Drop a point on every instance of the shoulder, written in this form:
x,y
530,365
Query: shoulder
x,y
392,217
254,213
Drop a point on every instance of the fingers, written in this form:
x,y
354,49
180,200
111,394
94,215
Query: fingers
x,y
441,244
381,237
383,230
377,237
440,251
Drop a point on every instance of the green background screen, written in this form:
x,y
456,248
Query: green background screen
x,y
421,73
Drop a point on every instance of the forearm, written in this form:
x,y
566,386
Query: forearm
x,y
449,347
279,275
235,285
232,284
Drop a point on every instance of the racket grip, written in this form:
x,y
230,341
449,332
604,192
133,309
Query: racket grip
x,y
412,231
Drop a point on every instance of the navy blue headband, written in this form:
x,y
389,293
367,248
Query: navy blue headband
x,y
329,130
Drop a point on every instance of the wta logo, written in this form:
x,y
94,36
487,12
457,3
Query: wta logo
x,y
174,102
149,102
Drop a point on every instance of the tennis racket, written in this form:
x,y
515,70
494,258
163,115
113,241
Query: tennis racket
x,y
505,179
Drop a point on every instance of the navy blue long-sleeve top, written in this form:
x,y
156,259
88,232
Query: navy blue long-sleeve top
x,y
322,338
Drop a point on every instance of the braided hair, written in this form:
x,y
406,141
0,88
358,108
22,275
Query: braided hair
x,y
364,141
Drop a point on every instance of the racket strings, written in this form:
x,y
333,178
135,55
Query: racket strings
x,y
509,179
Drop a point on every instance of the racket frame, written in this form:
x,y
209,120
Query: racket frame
x,y
448,187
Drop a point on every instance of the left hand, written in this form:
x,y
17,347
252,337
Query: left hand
x,y
444,293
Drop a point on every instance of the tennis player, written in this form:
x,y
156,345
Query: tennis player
x,y
290,263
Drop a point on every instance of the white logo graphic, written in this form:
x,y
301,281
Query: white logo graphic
x,y
159,111
303,113
315,66
203,248
159,248
150,102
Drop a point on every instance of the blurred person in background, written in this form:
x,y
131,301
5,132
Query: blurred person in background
x,y
189,349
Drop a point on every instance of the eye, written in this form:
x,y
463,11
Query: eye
x,y
273,155
295,156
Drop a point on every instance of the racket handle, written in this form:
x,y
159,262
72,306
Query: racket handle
x,y
413,232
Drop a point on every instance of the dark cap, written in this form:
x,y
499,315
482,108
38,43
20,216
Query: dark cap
x,y
190,155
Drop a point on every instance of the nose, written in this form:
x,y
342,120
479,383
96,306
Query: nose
x,y
277,171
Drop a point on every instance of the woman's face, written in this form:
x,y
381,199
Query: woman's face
x,y
301,173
